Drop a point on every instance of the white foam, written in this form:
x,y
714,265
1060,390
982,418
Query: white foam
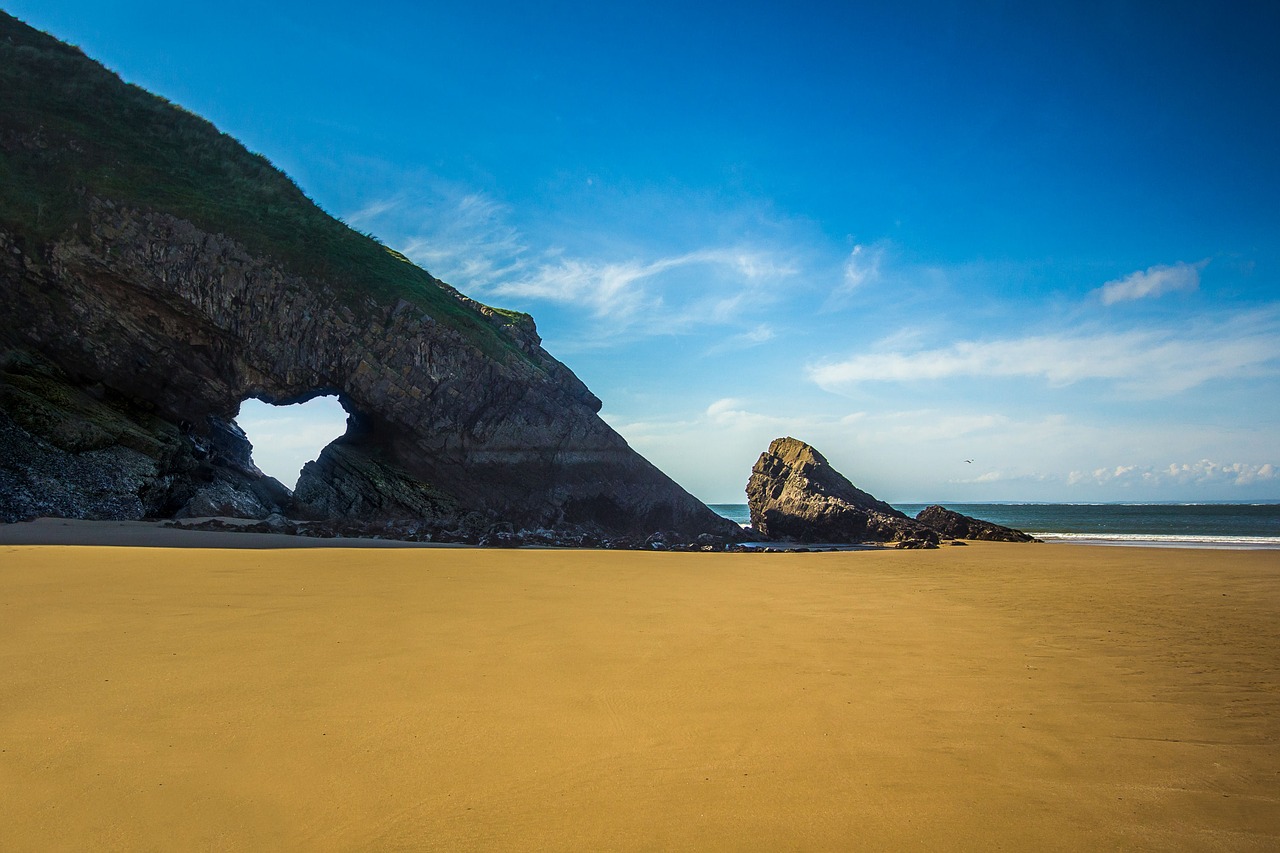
x,y
1165,540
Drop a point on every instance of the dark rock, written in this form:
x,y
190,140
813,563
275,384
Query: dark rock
x,y
794,493
197,276
38,478
663,540
502,535
953,525
277,523
540,536
222,499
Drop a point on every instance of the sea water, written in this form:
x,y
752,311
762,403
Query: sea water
x,y
1185,525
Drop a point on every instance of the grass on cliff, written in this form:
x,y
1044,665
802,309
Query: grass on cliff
x,y
42,400
71,130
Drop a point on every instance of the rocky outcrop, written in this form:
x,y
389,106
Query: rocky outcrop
x,y
142,305
954,525
470,529
86,452
795,494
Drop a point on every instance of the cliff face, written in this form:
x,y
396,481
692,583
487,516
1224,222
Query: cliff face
x,y
135,322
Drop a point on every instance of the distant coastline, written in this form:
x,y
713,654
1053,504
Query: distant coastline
x,y
1253,525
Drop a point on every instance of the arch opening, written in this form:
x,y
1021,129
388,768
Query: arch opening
x,y
287,436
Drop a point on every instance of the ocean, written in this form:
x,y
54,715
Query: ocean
x,y
1206,525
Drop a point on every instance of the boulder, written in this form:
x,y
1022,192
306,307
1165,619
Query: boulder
x,y
795,494
954,525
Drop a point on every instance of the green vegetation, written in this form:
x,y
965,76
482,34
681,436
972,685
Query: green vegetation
x,y
44,402
70,130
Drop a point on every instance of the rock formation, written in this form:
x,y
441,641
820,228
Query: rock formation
x,y
954,525
795,494
155,274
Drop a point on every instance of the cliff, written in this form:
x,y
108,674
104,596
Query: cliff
x,y
155,274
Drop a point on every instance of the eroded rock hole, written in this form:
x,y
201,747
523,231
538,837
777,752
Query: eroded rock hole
x,y
285,438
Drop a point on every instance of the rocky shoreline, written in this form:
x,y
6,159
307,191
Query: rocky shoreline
x,y
471,532
798,504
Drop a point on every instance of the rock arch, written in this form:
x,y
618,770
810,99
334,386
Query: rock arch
x,y
444,417
155,274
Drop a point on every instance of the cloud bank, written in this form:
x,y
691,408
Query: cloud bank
x,y
1203,472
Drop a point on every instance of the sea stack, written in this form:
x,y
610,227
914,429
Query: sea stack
x,y
795,494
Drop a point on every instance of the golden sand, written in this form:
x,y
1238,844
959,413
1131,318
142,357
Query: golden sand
x,y
1016,697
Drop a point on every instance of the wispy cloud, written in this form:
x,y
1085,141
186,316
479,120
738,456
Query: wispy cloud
x,y
1154,281
467,239
455,233
761,334
862,266
607,289
621,289
1152,362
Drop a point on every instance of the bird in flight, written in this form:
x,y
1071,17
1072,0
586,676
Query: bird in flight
x,y
970,461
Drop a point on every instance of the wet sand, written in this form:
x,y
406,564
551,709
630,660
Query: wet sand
x,y
1017,697
158,534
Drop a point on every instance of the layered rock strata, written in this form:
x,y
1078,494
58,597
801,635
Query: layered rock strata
x,y
795,494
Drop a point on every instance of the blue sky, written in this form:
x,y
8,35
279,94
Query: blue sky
x,y
1042,237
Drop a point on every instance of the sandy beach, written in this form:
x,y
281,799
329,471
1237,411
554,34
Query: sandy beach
x,y
1015,697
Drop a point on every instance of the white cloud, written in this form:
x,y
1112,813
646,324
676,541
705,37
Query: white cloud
x,y
1154,281
1153,362
1201,473
729,414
